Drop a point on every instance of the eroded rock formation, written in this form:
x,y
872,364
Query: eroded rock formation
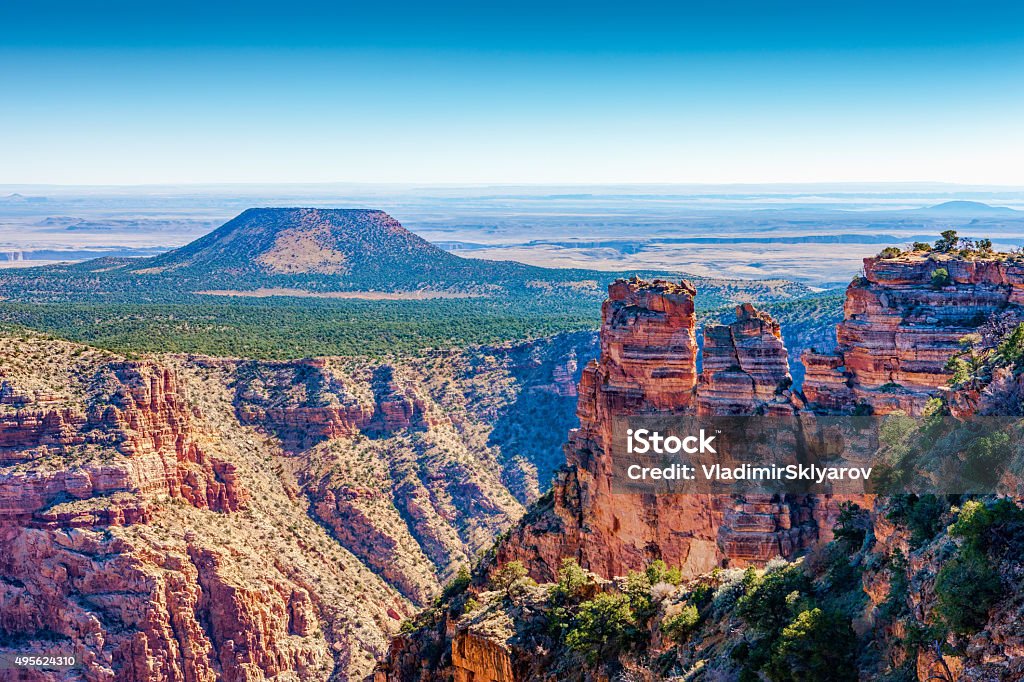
x,y
745,367
902,323
138,416
648,367
142,531
903,320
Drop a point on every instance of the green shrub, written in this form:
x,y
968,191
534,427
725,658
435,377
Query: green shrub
x,y
507,576
679,627
895,604
728,592
852,526
1011,350
770,598
659,572
940,278
889,252
638,592
921,515
961,370
948,241
815,647
895,428
966,587
602,628
921,246
457,585
985,456
991,528
573,582
701,594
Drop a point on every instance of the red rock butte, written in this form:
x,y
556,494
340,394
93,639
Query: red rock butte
x,y
648,365
901,325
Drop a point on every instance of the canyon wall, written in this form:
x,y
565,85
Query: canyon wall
x,y
195,518
138,533
143,422
902,321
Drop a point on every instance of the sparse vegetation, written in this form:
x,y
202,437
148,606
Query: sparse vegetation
x,y
602,628
940,278
947,241
921,515
968,585
678,627
507,576
816,646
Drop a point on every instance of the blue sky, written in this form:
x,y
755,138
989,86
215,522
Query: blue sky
x,y
111,92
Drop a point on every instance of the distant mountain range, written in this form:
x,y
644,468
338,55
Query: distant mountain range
x,y
328,253
968,208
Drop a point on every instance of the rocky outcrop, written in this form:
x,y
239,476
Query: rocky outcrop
x,y
648,352
902,321
899,330
480,657
184,613
647,366
304,402
745,367
141,421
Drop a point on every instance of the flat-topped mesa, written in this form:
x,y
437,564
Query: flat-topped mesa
x,y
745,367
902,321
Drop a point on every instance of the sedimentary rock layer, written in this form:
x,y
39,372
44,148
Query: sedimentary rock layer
x,y
902,321
648,367
745,368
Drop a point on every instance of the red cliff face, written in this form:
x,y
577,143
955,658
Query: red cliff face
x,y
902,322
142,531
303,402
648,366
143,425
745,367
186,613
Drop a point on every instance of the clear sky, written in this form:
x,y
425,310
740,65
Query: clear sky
x,y
719,91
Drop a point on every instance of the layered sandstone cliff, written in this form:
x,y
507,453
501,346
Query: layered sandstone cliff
x,y
195,518
403,461
745,367
141,533
129,431
902,321
648,366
